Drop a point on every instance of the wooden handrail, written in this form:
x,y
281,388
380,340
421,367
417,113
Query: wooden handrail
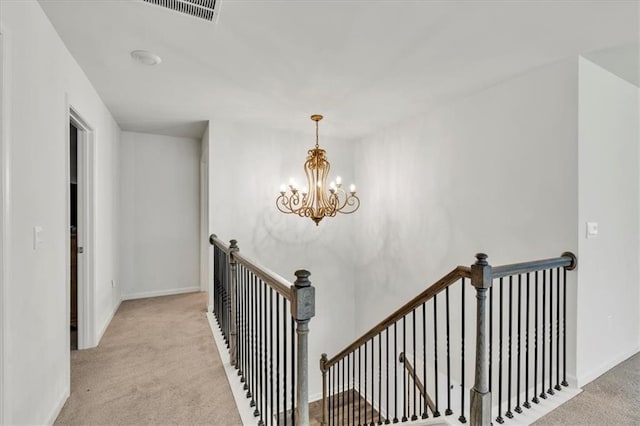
x,y
437,287
215,241
567,260
416,380
270,278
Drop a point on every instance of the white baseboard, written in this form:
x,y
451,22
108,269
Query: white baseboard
x,y
104,327
157,293
242,403
590,376
58,408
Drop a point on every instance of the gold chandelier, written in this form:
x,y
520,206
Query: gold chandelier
x,y
317,200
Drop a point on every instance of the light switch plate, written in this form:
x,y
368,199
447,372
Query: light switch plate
x,y
37,237
592,229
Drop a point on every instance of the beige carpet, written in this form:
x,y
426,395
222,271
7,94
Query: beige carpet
x,y
611,399
157,364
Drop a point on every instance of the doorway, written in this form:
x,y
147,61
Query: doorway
x,y
80,260
73,233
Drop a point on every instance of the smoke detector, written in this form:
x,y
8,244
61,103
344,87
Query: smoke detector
x,y
203,9
145,57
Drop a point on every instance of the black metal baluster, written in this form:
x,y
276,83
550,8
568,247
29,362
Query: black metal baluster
x,y
329,396
550,390
491,337
353,393
535,399
499,419
435,351
252,393
341,393
247,330
462,419
425,413
526,353
564,329
284,361
557,387
293,371
278,359
518,409
365,383
414,416
258,391
332,397
404,370
395,374
448,411
348,390
380,378
250,308
238,365
544,311
509,414
264,390
386,421
373,383
359,386
271,354
344,394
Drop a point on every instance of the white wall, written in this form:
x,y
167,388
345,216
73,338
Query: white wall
x,y
160,215
205,271
494,172
247,167
608,289
37,315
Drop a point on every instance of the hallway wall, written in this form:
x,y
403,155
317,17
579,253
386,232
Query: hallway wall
x,y
248,165
608,276
160,189
495,172
42,78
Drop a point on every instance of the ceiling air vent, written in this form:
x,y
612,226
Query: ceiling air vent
x,y
203,9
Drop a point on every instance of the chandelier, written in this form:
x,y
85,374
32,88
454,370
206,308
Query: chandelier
x,y
317,200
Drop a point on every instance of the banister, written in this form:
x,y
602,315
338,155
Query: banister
x,y
270,278
437,287
215,241
567,260
417,382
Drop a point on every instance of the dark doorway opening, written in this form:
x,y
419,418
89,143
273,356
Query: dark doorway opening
x,y
73,221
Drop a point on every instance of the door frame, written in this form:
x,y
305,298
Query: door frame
x,y
86,228
4,213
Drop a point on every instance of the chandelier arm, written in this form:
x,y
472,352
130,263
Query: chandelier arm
x,y
352,201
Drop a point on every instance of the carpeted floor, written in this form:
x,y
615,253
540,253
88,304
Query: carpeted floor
x,y
611,399
157,364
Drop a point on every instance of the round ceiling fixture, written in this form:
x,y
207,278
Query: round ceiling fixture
x,y
145,57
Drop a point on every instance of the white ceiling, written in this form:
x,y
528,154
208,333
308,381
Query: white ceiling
x,y
363,64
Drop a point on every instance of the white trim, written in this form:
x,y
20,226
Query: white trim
x,y
170,292
590,376
239,395
104,327
86,227
4,214
58,408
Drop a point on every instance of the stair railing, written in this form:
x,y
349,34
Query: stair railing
x,y
382,387
264,320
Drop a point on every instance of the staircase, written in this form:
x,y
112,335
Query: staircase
x,y
416,364
482,344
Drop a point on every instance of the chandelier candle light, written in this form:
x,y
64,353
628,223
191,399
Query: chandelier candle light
x,y
317,200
